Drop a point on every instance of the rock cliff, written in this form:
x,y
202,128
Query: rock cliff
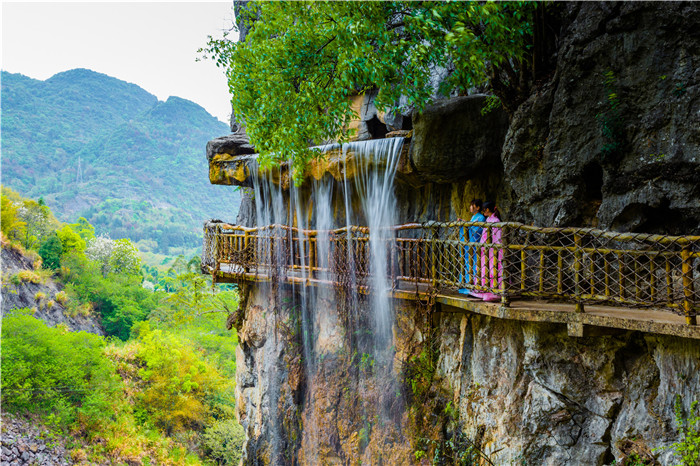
x,y
610,139
519,392
22,288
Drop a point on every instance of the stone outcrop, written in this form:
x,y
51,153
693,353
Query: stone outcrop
x,y
453,140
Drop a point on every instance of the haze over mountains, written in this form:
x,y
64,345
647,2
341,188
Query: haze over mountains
x,y
98,147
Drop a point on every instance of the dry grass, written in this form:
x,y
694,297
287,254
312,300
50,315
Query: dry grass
x,y
29,276
61,297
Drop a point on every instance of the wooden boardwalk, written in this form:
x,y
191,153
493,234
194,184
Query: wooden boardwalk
x,y
584,278
595,320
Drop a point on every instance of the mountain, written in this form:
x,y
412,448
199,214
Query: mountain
x,y
94,146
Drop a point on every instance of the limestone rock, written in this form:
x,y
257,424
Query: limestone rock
x,y
232,144
452,140
553,156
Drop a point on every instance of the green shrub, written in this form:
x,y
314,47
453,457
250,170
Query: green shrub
x,y
61,297
223,441
50,251
56,373
180,389
688,448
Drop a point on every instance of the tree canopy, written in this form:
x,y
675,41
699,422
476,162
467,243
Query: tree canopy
x,y
292,76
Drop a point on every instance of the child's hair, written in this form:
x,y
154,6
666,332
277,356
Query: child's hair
x,y
490,205
477,203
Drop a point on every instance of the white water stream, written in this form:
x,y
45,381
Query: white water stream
x,y
368,199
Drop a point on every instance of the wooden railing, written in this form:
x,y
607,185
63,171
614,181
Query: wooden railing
x,y
510,260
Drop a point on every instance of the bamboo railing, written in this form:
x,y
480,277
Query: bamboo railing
x,y
510,260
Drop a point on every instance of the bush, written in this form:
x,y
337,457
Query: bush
x,y
57,373
223,441
61,297
38,296
179,389
50,251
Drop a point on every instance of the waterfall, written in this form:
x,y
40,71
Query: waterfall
x,y
365,197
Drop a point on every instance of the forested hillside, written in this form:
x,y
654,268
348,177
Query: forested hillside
x,y
157,390
98,147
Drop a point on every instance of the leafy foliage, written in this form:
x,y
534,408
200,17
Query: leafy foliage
x,y
688,447
292,77
180,390
610,120
70,240
50,252
118,297
26,221
51,371
224,440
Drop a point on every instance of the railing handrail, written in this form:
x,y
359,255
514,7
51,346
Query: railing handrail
x,y
622,236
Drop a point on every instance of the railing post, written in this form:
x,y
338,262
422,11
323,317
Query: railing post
x,y
312,255
217,258
392,258
687,270
578,266
505,299
246,239
433,256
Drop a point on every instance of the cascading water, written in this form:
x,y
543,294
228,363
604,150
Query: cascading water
x,y
375,165
368,199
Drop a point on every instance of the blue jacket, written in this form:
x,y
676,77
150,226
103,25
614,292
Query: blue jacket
x,y
474,232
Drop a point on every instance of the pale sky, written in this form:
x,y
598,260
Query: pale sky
x,y
151,44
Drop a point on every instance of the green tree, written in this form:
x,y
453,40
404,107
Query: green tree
x,y
12,226
40,222
70,240
83,228
292,77
50,251
125,257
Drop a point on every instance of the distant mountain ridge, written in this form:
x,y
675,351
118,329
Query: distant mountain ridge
x,y
95,146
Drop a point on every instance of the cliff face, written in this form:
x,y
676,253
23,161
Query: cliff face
x,y
644,174
609,139
519,392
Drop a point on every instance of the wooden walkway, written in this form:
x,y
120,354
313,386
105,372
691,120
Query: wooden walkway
x,y
587,279
595,320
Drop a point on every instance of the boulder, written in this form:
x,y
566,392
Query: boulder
x,y
232,144
453,140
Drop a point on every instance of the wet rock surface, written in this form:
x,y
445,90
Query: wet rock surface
x,y
23,443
